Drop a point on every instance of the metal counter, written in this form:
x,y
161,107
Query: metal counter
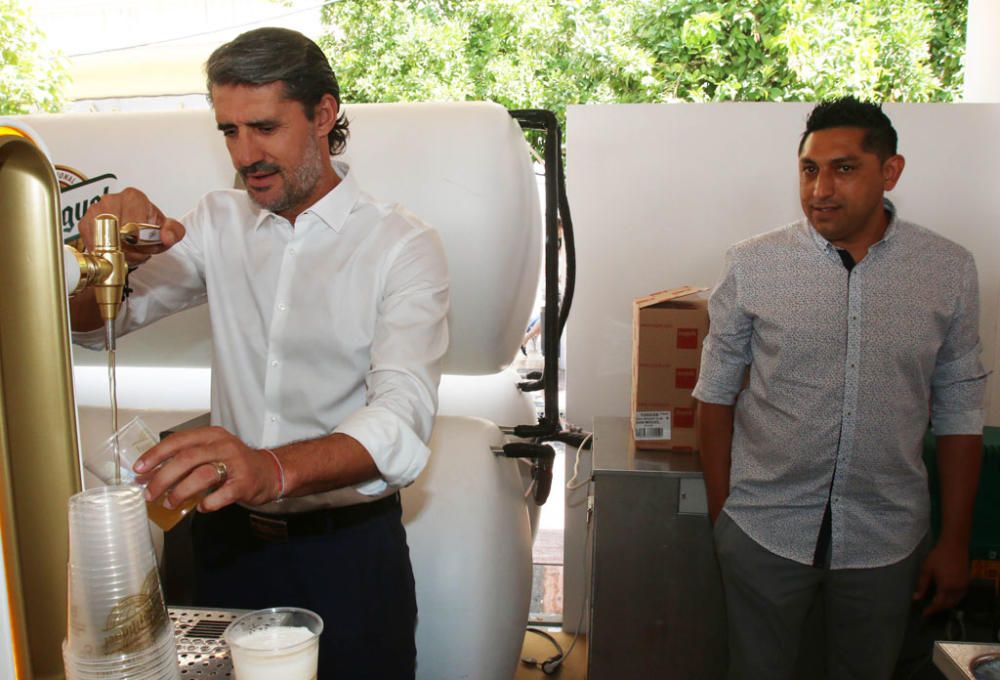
x,y
615,454
953,658
201,651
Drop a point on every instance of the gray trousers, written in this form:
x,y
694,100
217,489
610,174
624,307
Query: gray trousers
x,y
768,597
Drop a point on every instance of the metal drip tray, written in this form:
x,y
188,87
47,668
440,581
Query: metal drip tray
x,y
201,651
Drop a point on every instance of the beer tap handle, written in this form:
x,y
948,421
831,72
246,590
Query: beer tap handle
x,y
107,247
138,235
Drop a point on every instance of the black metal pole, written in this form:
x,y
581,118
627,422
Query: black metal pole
x,y
549,425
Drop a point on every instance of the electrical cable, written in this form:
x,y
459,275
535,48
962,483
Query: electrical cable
x,y
532,661
552,664
570,249
572,484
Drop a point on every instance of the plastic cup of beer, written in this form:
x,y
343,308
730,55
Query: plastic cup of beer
x,y
281,642
134,439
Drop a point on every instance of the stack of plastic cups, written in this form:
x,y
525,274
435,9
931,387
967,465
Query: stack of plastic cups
x,y
118,623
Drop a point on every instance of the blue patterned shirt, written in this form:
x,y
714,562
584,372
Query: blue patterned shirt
x,y
845,368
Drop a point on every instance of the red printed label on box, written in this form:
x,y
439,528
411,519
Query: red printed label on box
x,y
683,417
685,378
687,338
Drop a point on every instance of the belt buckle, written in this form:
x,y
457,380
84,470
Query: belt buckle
x,y
270,529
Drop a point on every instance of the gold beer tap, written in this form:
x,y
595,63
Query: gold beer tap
x,y
104,268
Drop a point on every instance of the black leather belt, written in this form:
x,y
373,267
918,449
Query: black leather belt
x,y
278,528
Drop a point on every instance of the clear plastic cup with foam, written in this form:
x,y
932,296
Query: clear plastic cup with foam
x,y
281,642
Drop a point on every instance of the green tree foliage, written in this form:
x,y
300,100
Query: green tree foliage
x,y
550,53
948,44
31,79
541,54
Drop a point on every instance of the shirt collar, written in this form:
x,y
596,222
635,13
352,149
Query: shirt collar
x,y
890,229
333,208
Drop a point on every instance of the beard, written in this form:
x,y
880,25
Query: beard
x,y
297,185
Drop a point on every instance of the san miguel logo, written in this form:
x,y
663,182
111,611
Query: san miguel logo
x,y
136,621
78,194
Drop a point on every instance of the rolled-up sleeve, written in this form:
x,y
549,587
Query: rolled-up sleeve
x,y
726,351
958,385
410,341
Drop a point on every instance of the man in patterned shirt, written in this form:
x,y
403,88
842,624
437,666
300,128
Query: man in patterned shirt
x,y
854,325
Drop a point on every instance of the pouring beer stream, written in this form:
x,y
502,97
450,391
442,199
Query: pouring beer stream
x,y
105,269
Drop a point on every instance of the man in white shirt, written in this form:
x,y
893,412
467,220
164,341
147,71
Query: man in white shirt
x,y
329,321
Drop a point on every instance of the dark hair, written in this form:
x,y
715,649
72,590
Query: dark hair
x,y
267,55
880,137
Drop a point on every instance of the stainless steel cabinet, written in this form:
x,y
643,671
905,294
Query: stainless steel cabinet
x,y
657,608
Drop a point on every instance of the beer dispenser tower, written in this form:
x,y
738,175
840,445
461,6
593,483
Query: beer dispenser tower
x,y
39,444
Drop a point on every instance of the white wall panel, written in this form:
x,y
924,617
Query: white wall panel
x,y
659,191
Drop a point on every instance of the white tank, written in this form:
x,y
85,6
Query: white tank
x,y
465,169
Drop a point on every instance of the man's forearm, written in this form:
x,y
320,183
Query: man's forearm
x,y
959,458
715,432
326,463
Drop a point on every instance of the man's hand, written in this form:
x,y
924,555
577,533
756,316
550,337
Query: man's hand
x,y
715,432
184,465
947,567
131,205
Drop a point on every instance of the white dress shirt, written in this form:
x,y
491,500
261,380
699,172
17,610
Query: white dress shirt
x,y
336,325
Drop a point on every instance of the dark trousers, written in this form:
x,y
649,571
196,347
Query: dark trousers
x,y
768,598
352,567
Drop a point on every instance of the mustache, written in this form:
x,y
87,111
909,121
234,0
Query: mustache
x,y
259,166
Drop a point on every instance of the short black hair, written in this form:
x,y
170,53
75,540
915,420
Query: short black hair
x,y
267,55
880,137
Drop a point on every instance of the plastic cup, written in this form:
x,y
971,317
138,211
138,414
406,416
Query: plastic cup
x,y
134,439
158,663
116,603
281,642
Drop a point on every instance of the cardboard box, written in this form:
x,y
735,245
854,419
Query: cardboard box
x,y
668,329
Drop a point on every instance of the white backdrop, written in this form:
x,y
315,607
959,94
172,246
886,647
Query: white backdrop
x,y
659,191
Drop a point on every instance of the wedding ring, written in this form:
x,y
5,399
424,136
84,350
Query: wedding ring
x,y
221,471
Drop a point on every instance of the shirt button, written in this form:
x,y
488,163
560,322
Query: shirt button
x,y
274,419
274,363
282,306
291,251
